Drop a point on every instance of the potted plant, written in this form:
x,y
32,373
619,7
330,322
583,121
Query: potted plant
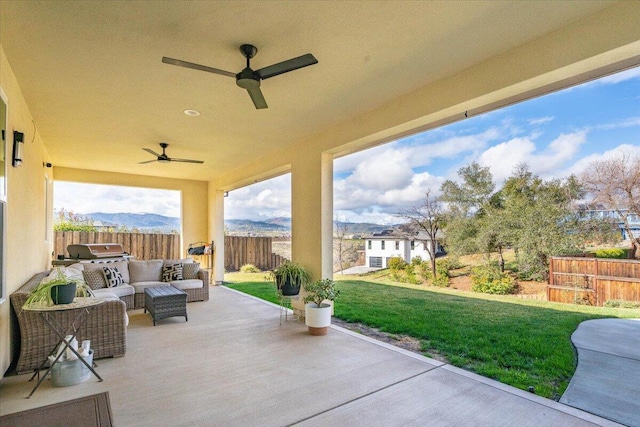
x,y
59,290
317,312
289,277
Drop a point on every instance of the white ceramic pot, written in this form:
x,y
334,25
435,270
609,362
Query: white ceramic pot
x,y
317,318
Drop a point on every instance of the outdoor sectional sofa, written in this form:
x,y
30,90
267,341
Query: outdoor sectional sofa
x,y
106,324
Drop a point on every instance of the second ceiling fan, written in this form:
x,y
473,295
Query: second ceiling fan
x,y
249,79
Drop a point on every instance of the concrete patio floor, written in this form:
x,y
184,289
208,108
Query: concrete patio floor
x,y
233,364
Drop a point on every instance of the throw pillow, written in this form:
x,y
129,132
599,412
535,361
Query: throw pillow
x,y
190,270
94,278
171,272
112,276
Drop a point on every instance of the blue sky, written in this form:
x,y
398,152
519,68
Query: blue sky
x,y
556,135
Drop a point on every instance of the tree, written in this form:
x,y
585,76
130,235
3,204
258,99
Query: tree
x,y
473,194
341,229
428,217
615,183
469,204
541,219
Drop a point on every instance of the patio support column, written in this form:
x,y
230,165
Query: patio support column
x,y
312,214
216,224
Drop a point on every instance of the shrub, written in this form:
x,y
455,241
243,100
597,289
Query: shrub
x,y
617,253
416,260
442,273
617,303
411,274
249,268
396,263
488,279
451,263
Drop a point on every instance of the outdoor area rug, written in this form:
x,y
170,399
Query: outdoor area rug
x,y
88,411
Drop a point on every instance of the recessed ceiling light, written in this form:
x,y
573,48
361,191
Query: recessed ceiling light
x,y
192,113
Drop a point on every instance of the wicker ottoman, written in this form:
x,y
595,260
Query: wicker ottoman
x,y
165,301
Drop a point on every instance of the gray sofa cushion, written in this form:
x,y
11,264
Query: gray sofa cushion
x,y
187,284
145,271
119,291
140,286
122,266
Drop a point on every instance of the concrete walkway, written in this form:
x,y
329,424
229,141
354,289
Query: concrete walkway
x,y
359,269
607,379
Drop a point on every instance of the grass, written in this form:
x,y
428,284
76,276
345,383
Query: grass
x,y
518,342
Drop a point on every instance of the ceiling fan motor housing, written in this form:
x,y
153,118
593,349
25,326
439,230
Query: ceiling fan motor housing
x,y
248,79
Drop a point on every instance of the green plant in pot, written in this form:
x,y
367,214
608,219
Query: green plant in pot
x,y
290,277
317,311
59,290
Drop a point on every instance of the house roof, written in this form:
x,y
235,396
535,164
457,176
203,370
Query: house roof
x,y
92,76
404,234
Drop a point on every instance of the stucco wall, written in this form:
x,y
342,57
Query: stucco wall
x,y
26,250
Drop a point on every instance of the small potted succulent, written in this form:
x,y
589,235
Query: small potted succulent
x,y
317,312
59,290
289,277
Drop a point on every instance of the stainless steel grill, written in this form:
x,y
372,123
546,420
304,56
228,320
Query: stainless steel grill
x,y
96,251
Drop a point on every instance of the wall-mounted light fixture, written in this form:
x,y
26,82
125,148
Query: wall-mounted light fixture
x,y
18,144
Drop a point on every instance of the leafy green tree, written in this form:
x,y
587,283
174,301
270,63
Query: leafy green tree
x,y
537,218
541,219
69,221
470,210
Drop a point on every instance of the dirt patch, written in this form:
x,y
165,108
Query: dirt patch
x,y
402,341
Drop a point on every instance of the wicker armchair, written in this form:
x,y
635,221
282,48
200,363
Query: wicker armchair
x,y
106,327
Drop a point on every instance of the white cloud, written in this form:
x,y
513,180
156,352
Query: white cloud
x,y
417,151
389,170
623,123
540,120
265,199
581,165
86,198
504,157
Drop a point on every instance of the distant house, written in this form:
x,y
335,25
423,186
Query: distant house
x,y
381,247
601,212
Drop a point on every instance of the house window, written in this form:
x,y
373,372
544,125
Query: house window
x,y
382,245
397,245
413,244
369,244
375,261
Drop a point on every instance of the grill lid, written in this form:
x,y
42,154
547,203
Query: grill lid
x,y
95,250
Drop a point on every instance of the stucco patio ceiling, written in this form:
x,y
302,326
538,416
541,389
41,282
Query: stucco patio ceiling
x,y
92,75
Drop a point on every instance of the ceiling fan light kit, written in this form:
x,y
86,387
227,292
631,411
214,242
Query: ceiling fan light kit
x,y
247,78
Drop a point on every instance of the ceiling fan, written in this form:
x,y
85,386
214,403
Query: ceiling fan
x,y
163,158
249,79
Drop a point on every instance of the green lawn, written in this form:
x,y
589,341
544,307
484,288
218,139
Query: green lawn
x,y
517,342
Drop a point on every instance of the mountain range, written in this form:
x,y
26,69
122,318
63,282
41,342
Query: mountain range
x,y
271,226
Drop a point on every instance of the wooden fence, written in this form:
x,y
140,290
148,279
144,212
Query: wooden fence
x,y
141,246
593,281
239,251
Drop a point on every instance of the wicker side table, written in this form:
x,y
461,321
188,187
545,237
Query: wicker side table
x,y
165,301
